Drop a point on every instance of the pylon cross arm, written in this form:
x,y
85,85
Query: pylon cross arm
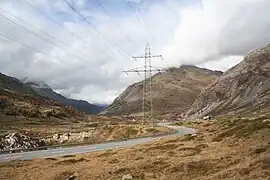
x,y
147,105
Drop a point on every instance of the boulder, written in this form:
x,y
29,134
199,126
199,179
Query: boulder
x,y
127,177
18,141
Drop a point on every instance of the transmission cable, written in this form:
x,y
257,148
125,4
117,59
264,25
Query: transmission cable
x,y
30,47
58,24
35,34
114,22
112,44
139,17
42,31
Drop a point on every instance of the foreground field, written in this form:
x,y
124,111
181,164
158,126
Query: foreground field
x,y
236,148
21,132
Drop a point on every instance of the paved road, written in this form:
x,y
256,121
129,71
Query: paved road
x,y
90,148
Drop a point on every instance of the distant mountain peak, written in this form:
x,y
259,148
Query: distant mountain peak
x,y
35,84
39,90
172,91
188,66
40,85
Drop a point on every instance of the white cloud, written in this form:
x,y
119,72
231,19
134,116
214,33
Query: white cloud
x,y
212,33
222,64
219,28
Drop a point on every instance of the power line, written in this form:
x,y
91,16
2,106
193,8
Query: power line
x,y
30,47
41,31
106,12
59,24
13,22
139,17
117,47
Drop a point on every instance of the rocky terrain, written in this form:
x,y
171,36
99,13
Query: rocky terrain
x,y
173,91
19,141
241,89
223,149
20,132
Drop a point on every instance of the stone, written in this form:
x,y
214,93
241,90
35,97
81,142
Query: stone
x,y
127,177
72,177
18,141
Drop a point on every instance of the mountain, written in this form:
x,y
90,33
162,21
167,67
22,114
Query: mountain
x,y
27,90
45,90
12,87
242,89
173,91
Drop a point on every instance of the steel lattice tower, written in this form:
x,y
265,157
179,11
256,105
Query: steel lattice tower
x,y
147,104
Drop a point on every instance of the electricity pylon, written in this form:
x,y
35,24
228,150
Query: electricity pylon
x,y
147,104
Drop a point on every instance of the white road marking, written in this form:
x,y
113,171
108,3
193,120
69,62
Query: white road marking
x,y
90,148
57,151
13,157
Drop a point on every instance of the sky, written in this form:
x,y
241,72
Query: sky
x,y
45,40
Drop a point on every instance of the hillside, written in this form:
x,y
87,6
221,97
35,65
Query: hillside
x,y
13,88
82,106
19,99
21,91
173,91
242,89
33,115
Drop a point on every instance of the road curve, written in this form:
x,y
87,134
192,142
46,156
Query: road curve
x,y
91,148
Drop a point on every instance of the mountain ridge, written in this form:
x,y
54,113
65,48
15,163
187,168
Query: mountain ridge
x,y
241,89
43,91
173,91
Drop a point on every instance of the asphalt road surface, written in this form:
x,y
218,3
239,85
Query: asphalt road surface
x,y
91,148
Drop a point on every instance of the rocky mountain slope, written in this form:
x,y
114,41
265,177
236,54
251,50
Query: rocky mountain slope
x,y
242,89
173,91
12,87
22,90
82,106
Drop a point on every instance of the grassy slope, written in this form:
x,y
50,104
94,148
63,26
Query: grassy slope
x,y
223,149
102,129
173,91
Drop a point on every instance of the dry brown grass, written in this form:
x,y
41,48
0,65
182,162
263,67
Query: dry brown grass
x,y
100,128
236,155
131,131
40,127
15,107
172,91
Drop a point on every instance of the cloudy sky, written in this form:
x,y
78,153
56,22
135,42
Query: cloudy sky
x,y
46,40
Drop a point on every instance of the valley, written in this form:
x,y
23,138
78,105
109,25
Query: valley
x,y
135,90
234,144
34,116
